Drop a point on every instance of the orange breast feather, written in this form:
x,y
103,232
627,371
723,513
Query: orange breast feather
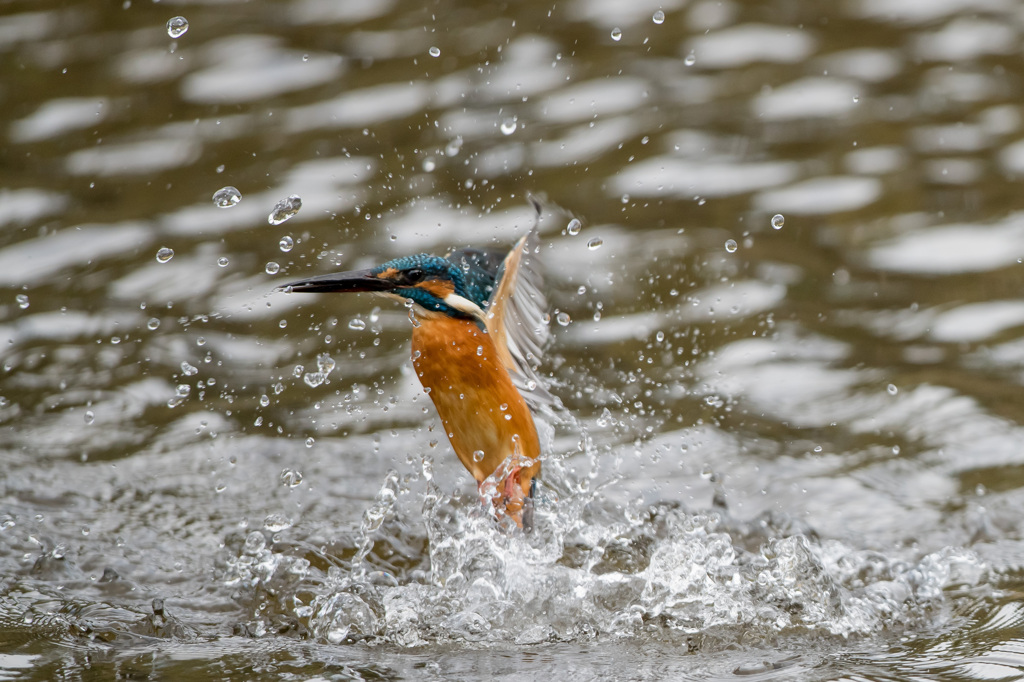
x,y
480,407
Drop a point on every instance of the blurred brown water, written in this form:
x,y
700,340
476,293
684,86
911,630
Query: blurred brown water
x,y
790,447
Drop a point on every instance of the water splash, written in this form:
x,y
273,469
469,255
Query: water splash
x,y
587,570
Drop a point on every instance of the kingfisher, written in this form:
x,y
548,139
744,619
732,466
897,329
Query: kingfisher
x,y
479,325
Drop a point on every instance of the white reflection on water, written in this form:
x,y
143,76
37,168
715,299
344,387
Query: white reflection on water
x,y
684,178
875,160
58,116
748,43
28,205
130,158
923,11
821,195
243,68
29,262
809,97
949,249
873,65
593,99
357,108
964,39
977,321
584,142
325,12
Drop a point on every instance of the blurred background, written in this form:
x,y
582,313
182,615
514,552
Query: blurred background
x,y
783,244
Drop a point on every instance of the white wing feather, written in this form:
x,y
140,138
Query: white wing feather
x,y
516,316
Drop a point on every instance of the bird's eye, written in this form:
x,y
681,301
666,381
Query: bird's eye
x,y
414,275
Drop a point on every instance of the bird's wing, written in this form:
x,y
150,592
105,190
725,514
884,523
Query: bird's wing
x,y
516,317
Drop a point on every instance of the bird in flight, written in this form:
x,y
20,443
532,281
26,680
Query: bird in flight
x,y
479,327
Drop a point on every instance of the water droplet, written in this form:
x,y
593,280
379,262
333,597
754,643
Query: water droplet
x,y
616,34
180,394
264,400
286,244
731,245
226,197
223,261
574,227
277,522
659,17
891,388
164,254
478,455
563,319
22,300
153,324
454,147
595,243
272,268
220,168
778,220
90,417
434,51
188,370
509,125
310,441
357,324
285,209
325,363
690,59
177,27
429,165
291,477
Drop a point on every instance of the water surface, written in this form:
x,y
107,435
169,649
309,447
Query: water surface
x,y
787,447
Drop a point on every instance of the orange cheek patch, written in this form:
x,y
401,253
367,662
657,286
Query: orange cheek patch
x,y
387,274
437,287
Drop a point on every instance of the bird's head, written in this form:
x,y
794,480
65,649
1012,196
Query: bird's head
x,y
435,284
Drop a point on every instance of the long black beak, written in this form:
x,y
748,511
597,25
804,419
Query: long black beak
x,y
356,280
